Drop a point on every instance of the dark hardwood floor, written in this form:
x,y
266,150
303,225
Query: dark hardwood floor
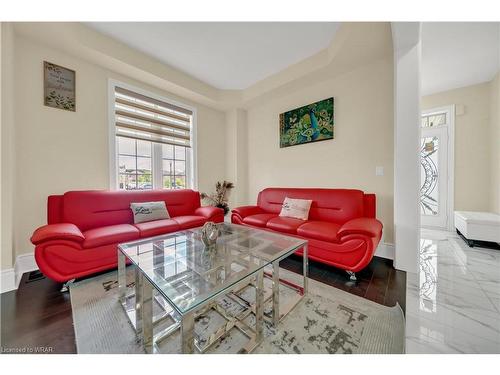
x,y
37,318
378,282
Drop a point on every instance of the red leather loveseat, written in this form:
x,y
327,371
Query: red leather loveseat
x,y
341,229
85,227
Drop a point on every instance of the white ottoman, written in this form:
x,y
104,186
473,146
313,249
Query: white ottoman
x,y
480,226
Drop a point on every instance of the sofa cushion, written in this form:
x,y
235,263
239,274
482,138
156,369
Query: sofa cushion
x,y
332,205
157,227
285,224
319,230
190,221
259,220
110,234
100,208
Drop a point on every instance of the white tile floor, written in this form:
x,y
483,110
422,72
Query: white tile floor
x,y
453,304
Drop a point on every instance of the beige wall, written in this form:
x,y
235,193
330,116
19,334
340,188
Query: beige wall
x,y
495,144
57,150
472,143
363,138
7,147
237,155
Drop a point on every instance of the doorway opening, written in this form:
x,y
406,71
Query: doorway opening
x,y
437,168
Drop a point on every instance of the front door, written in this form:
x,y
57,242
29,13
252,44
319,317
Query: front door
x,y
434,174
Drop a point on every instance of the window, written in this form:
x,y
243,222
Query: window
x,y
433,120
135,163
153,142
174,167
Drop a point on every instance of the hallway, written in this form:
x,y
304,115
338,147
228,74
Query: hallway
x,y
453,305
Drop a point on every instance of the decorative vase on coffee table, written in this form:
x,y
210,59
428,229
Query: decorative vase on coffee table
x,y
209,234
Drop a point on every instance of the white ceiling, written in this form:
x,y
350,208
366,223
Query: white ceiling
x,y
458,54
224,55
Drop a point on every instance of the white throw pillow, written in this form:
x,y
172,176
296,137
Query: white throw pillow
x,y
149,211
296,208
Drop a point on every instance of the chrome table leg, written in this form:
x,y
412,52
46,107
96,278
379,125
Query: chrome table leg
x,y
147,314
139,280
306,267
276,293
122,277
259,306
187,333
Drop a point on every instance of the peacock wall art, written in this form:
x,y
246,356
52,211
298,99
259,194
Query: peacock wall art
x,y
310,123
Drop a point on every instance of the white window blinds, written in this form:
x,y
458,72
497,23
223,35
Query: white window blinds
x,y
141,117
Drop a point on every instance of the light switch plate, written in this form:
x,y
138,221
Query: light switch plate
x,y
379,171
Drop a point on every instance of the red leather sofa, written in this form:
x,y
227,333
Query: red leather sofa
x,y
85,227
342,229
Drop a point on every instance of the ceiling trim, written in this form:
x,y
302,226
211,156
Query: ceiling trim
x,y
369,41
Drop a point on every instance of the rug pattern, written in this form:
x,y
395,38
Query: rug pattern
x,y
328,321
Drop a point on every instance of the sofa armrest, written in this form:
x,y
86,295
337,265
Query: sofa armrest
x,y
363,225
209,211
61,231
245,211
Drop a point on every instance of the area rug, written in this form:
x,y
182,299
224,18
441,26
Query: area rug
x,y
327,321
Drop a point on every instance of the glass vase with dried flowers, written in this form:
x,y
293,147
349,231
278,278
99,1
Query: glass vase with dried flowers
x,y
220,197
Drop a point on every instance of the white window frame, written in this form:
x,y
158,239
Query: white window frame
x,y
191,164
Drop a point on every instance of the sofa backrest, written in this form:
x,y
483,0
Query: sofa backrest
x,y
98,208
333,205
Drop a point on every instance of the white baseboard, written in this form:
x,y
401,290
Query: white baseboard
x,y
24,263
385,250
8,280
12,276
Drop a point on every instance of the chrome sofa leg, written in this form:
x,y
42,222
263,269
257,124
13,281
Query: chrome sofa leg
x,y
66,285
352,276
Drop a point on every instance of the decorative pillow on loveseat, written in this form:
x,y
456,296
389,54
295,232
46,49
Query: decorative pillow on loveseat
x,y
149,211
296,208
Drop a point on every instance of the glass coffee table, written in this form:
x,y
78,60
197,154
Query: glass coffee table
x,y
177,278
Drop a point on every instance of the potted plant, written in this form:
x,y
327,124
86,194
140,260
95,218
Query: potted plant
x,y
220,197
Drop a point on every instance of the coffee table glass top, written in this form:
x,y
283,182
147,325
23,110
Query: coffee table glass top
x,y
186,273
